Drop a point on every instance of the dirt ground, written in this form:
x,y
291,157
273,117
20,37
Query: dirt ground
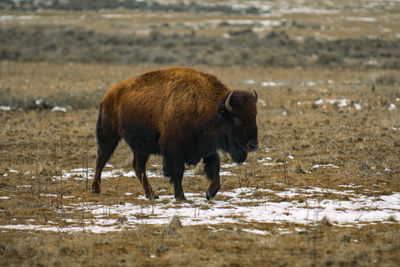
x,y
329,134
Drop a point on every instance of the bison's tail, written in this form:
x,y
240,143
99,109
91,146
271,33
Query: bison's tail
x,y
107,141
105,131
107,136
98,123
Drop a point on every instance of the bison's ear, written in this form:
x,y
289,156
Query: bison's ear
x,y
255,96
221,110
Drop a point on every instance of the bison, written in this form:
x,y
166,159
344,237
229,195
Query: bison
x,y
182,114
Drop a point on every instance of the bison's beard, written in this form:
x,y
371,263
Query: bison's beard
x,y
237,152
238,155
233,147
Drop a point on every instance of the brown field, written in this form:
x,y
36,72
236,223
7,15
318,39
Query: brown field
x,y
329,133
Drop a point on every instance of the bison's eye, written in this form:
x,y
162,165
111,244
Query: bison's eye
x,y
237,121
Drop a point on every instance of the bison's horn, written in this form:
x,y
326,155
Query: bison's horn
x,y
228,102
255,95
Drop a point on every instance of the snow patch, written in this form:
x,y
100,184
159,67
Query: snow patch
x,y
361,19
330,165
240,206
88,173
357,106
18,17
249,81
58,108
270,83
116,16
5,108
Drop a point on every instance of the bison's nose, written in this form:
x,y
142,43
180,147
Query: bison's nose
x,y
252,146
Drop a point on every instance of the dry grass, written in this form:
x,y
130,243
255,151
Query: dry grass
x,y
355,20
155,246
363,143
323,114
347,38
289,120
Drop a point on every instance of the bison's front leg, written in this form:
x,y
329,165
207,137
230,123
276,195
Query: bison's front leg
x,y
173,167
211,169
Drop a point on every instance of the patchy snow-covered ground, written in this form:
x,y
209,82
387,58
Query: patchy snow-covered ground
x,y
245,206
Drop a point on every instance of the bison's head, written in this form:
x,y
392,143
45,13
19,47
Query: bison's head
x,y
238,114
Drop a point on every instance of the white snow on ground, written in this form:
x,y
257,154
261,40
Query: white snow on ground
x,y
58,108
88,173
116,16
5,108
18,17
357,106
249,81
270,83
362,19
38,102
256,23
341,103
316,166
242,206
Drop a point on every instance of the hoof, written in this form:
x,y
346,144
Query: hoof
x,y
209,196
181,198
95,189
154,197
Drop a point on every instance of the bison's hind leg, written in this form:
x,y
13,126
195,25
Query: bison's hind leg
x,y
107,141
211,169
139,165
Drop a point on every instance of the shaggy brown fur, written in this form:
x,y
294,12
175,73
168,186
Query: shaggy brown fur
x,y
180,113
